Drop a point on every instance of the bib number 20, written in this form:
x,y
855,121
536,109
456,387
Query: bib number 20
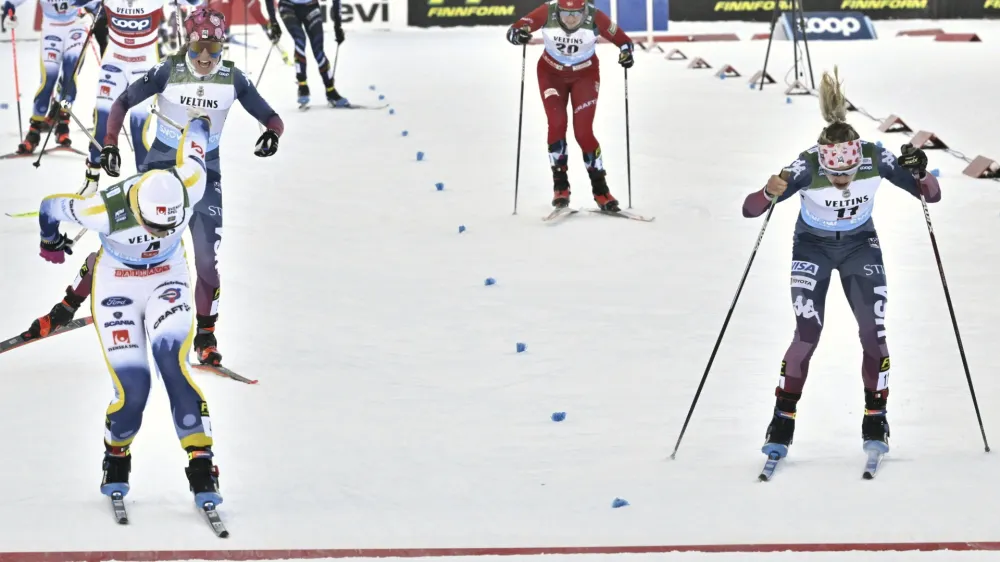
x,y
567,49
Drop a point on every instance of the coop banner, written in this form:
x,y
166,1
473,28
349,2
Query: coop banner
x,y
455,13
828,26
763,10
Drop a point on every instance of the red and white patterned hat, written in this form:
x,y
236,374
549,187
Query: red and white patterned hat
x,y
841,157
205,24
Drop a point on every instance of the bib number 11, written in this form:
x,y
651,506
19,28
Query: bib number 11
x,y
846,213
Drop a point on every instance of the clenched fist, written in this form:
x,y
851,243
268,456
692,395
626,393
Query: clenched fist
x,y
776,185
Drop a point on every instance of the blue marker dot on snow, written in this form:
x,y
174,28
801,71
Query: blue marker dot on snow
x,y
788,100
521,347
439,186
372,87
420,156
4,105
381,97
753,85
619,502
490,281
558,416
406,133
461,228
935,172
392,111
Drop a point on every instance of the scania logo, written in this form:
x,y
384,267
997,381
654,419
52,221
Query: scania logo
x,y
134,25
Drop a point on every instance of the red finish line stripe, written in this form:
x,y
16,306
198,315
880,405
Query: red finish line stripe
x,y
307,554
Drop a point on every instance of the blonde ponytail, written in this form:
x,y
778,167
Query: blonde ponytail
x,y
833,106
831,99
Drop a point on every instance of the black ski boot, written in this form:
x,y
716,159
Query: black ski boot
x,y
334,99
875,425
205,344
303,99
560,180
60,315
203,476
32,139
117,466
560,187
62,130
599,182
782,426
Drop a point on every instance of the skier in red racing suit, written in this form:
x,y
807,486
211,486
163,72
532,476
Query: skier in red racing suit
x,y
569,68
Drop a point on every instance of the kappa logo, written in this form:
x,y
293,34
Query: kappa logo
x,y
797,167
805,267
806,309
889,159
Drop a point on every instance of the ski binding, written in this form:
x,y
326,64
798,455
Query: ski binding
x,y
215,520
118,504
772,463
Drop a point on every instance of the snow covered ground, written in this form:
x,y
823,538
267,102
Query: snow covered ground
x,y
393,410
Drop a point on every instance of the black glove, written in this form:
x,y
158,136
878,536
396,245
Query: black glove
x,y
914,160
518,35
111,160
274,31
625,56
267,144
62,244
338,34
